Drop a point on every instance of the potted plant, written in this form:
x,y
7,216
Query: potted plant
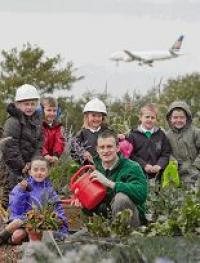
x,y
41,218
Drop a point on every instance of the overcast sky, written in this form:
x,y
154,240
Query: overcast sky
x,y
88,31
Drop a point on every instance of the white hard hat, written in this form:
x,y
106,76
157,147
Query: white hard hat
x,y
26,92
95,105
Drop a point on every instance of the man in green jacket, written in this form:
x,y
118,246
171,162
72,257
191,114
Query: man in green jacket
x,y
124,179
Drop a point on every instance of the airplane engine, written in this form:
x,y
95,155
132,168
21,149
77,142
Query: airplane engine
x,y
127,59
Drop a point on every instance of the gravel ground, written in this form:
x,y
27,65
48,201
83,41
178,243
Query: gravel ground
x,y
9,254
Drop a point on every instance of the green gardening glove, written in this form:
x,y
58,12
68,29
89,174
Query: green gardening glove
x,y
170,175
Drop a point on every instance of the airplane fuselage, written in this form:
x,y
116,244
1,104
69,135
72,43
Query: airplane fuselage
x,y
145,55
148,57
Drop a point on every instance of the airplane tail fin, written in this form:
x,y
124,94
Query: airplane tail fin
x,y
177,45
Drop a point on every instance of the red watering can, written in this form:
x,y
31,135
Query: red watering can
x,y
89,193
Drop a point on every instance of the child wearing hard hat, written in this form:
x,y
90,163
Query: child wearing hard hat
x,y
83,147
24,128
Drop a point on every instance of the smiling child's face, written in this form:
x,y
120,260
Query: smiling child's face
x,y
148,119
39,170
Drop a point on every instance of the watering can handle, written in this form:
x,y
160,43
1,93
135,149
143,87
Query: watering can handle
x,y
66,201
78,173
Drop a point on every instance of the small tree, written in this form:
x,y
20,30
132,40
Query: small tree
x,y
183,88
30,65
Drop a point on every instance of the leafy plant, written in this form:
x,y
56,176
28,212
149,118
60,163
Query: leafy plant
x,y
174,211
102,227
61,173
121,124
42,215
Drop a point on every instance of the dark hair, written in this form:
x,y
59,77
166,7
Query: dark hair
x,y
40,158
108,133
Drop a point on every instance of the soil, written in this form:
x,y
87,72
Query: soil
x,y
9,254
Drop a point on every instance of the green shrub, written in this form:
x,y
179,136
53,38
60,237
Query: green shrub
x,y
61,173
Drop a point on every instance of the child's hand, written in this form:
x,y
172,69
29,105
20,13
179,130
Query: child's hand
x,y
49,158
55,159
75,201
148,168
156,168
23,184
87,156
26,168
121,136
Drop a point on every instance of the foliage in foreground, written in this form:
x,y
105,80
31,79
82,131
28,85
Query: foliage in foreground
x,y
133,250
101,227
171,212
174,211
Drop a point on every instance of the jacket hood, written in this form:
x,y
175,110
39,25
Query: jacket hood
x,y
179,105
17,113
14,111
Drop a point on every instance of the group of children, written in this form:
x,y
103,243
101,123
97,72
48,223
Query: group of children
x,y
35,142
33,133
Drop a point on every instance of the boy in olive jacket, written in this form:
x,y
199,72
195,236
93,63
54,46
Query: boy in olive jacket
x,y
124,179
184,139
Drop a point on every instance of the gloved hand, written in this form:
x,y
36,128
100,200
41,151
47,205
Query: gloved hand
x,y
97,176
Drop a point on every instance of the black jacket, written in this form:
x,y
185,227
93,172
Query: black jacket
x,y
26,142
85,140
154,150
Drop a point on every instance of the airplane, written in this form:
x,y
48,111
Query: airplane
x,y
148,57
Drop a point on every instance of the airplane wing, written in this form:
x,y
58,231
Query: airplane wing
x,y
132,56
138,58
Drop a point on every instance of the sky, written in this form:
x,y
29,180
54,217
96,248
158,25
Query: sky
x,y
86,32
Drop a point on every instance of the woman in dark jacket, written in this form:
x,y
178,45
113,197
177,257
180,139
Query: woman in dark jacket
x,y
25,129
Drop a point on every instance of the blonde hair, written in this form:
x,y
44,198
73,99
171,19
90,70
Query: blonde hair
x,y
148,107
85,120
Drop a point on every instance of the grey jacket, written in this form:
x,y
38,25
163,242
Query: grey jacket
x,y
26,142
185,143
